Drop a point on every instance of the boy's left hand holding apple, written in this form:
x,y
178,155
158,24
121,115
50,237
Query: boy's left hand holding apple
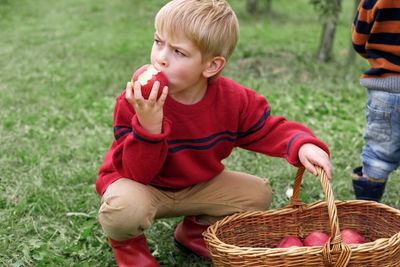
x,y
310,155
148,111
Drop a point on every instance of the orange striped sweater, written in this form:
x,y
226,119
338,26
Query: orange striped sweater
x,y
376,36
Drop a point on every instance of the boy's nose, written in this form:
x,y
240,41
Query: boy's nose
x,y
161,59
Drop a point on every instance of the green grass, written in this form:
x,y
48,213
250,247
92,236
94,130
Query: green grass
x,y
64,62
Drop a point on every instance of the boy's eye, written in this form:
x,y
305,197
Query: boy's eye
x,y
158,42
179,53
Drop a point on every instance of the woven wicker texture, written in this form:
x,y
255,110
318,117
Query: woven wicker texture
x,y
249,238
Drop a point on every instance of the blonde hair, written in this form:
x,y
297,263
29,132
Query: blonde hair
x,y
211,24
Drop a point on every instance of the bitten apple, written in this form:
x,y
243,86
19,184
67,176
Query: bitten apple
x,y
316,239
289,241
350,236
147,75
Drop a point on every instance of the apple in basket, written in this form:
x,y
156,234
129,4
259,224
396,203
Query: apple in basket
x,y
350,236
316,239
289,242
147,75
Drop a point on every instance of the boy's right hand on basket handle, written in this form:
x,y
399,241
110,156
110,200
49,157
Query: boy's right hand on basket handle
x,y
310,155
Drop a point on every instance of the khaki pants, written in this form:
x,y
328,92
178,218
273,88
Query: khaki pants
x,y
128,208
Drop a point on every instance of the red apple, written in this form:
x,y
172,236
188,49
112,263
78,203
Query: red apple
x,y
147,75
316,239
350,236
289,241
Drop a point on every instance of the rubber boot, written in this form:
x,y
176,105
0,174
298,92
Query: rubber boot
x,y
366,188
188,236
133,252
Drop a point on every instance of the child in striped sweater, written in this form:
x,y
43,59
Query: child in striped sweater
x,y
376,36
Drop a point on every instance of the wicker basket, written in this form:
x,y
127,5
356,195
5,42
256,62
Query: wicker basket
x,y
249,238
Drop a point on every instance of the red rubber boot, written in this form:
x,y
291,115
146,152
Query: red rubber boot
x,y
188,236
133,252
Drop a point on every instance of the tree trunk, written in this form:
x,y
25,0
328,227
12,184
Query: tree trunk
x,y
268,6
252,6
328,35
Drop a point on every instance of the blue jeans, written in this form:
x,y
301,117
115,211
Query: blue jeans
x,y
381,154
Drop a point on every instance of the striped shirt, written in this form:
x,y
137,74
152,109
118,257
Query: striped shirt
x,y
376,36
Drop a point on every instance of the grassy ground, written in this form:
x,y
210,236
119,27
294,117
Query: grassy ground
x,y
64,62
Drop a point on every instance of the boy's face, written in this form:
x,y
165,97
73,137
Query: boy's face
x,y
180,60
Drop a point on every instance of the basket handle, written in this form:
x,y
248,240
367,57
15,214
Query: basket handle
x,y
335,243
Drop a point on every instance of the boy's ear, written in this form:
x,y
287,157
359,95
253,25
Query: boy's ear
x,y
214,67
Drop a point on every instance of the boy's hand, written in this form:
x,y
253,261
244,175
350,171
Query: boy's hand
x,y
150,111
310,155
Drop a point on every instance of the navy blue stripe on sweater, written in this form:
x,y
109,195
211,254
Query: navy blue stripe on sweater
x,y
362,27
369,4
359,48
259,124
291,141
380,54
118,134
198,144
125,130
200,147
116,128
138,137
202,143
386,14
378,71
384,38
201,140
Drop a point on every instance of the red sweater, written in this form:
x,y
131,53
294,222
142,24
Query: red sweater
x,y
196,138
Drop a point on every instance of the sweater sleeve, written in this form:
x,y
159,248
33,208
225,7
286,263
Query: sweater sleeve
x,y
137,154
363,22
274,136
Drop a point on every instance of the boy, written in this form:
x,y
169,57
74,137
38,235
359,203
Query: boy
x,y
376,35
166,158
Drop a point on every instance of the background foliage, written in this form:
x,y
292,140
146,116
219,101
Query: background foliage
x,y
64,62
